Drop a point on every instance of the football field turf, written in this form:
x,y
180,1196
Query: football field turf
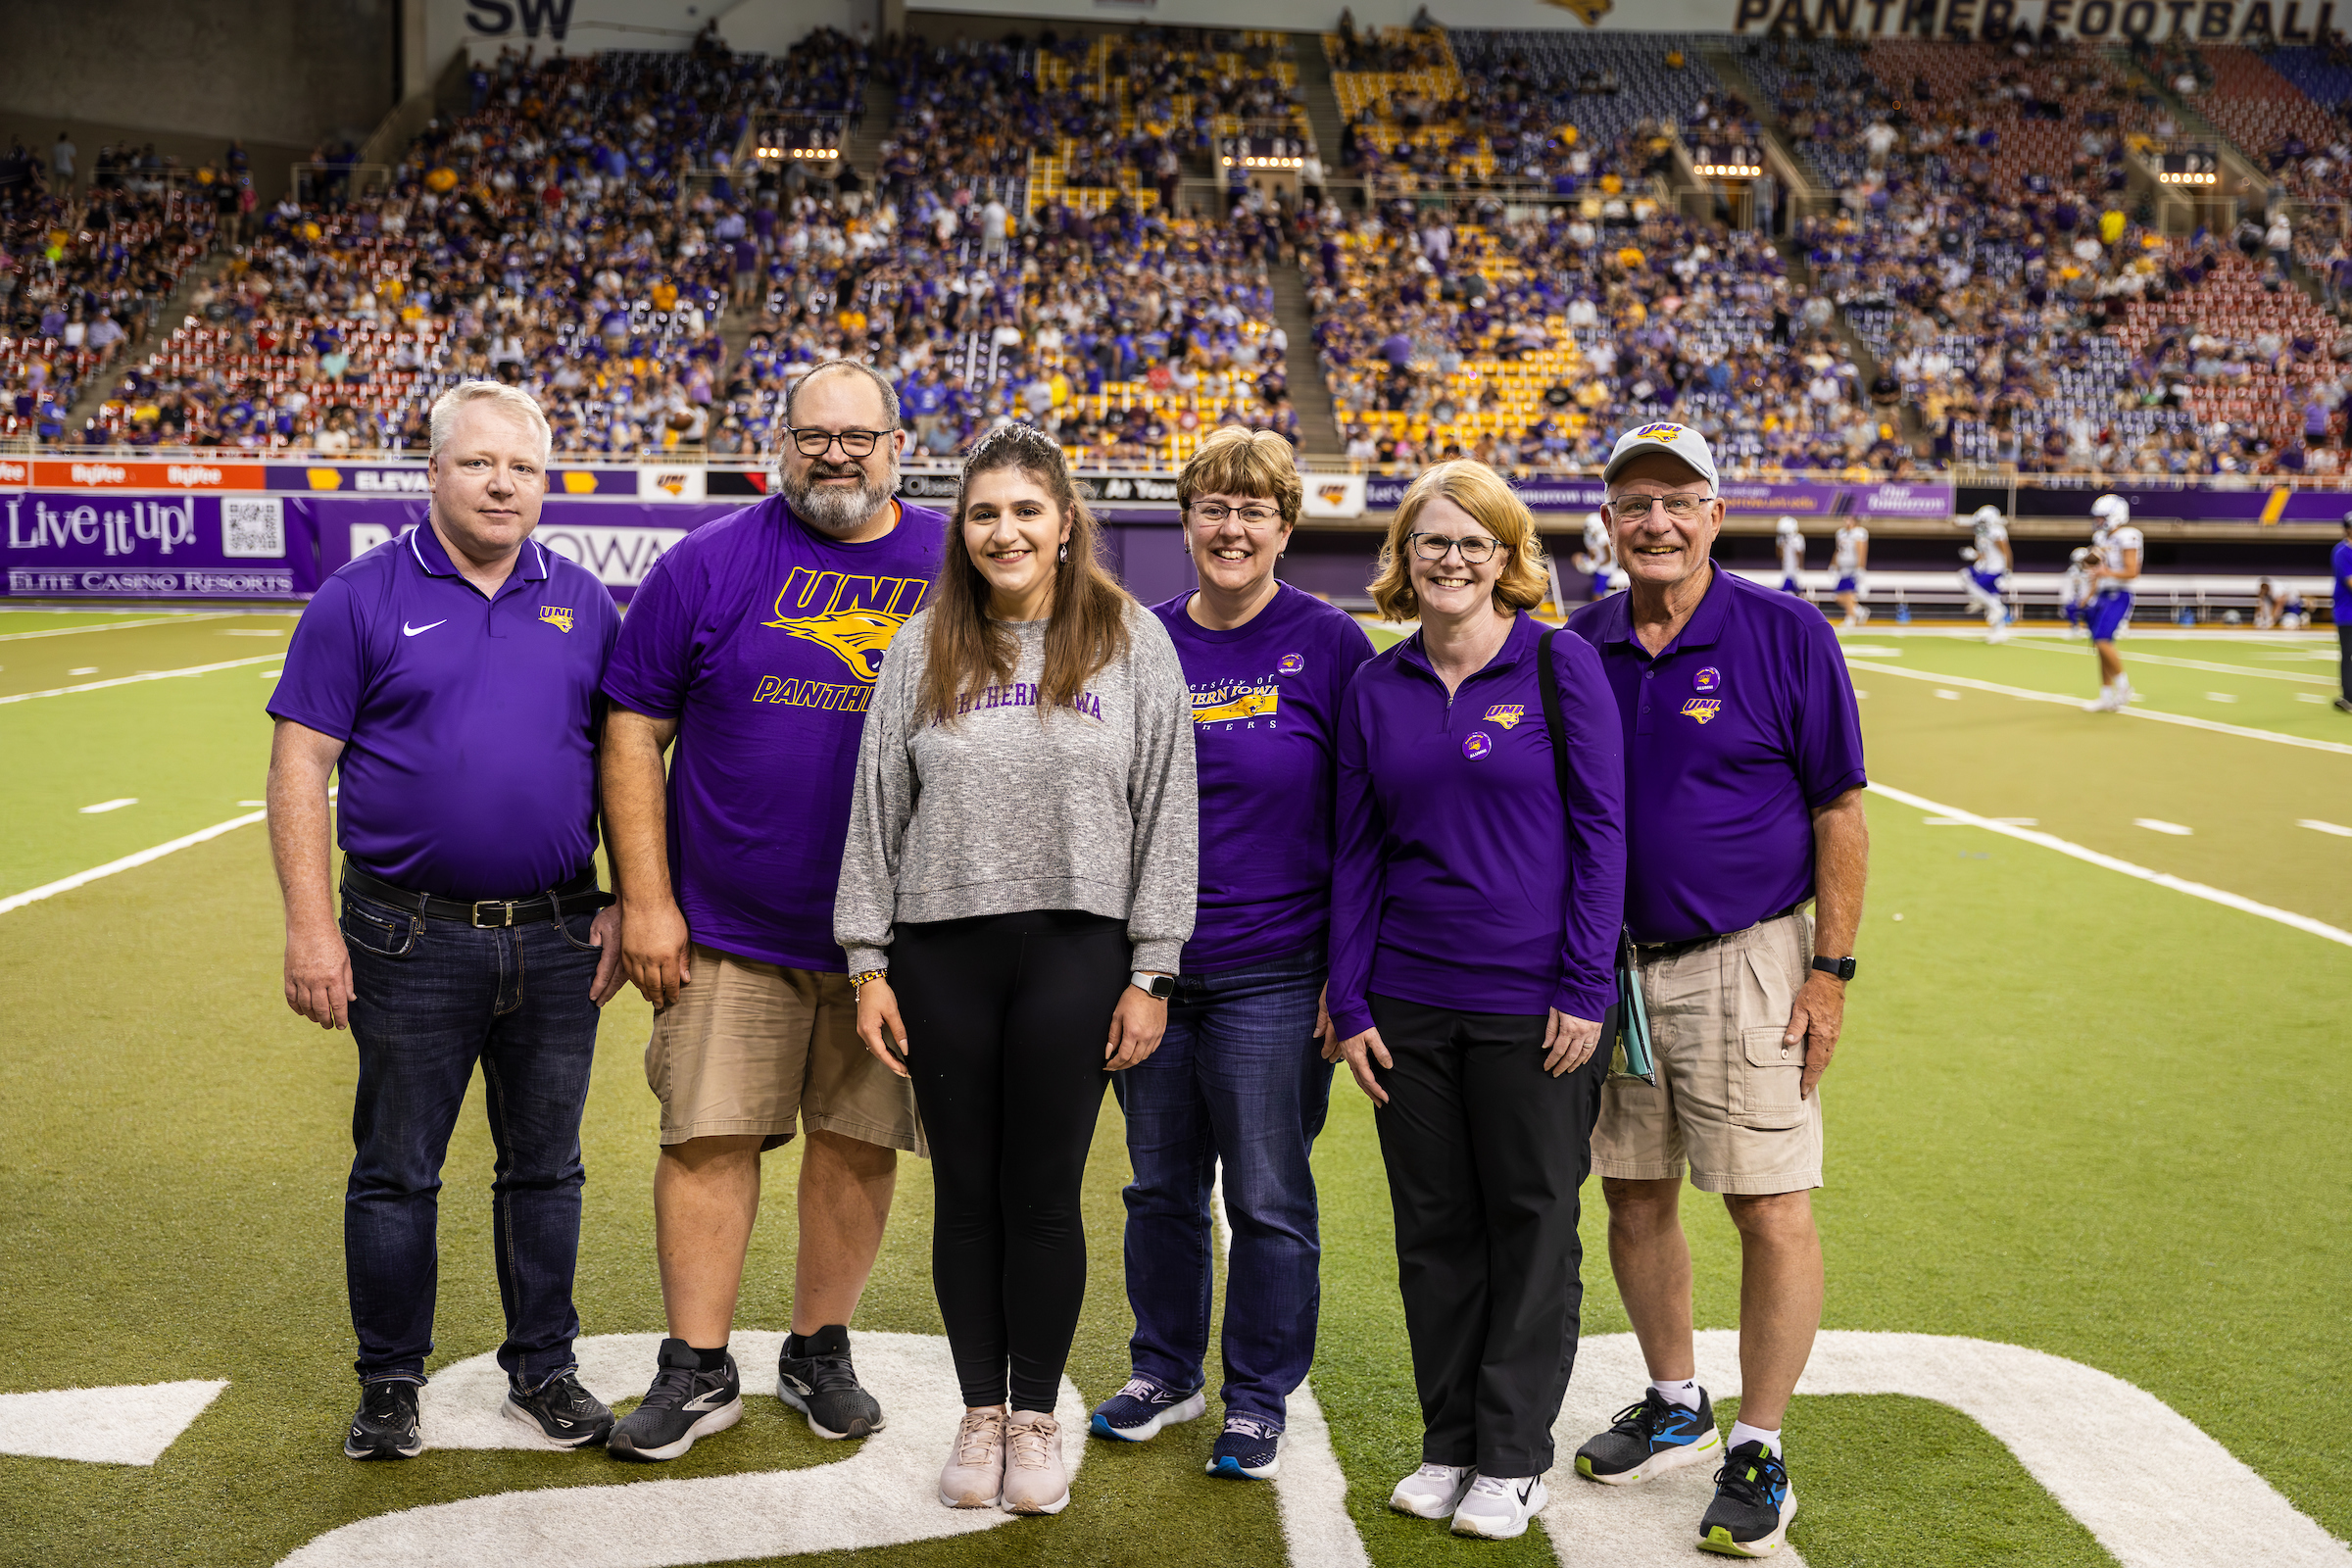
x,y
2090,1102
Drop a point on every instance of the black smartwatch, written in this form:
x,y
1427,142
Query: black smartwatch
x,y
1161,986
1843,969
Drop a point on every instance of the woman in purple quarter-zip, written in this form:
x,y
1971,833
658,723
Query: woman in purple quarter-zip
x,y
1474,928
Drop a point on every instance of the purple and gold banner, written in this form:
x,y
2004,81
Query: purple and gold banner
x,y
1799,499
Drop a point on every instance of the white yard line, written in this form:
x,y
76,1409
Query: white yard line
x,y
144,675
118,625
2215,726
2091,856
2168,661
18,900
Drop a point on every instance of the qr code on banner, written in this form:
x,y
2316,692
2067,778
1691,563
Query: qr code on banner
x,y
253,527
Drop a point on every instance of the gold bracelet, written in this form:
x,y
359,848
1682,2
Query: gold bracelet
x,y
864,976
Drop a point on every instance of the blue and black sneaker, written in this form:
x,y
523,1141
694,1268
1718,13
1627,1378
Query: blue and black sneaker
x,y
1753,1504
1649,1440
1136,1413
1248,1449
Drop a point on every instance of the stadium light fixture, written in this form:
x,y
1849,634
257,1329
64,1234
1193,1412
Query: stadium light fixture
x,y
2169,178
1728,171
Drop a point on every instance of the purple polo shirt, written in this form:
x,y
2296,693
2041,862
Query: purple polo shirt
x,y
762,637
1462,880
1735,733
469,724
1265,720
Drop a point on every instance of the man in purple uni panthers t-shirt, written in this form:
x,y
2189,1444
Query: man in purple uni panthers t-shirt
x,y
1238,1078
753,649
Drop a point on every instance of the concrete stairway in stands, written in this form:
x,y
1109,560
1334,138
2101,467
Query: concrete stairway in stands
x,y
864,149
1322,103
102,382
1318,430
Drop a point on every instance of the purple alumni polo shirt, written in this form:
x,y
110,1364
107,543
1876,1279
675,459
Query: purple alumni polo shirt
x,y
1461,879
469,724
1265,717
762,637
1733,734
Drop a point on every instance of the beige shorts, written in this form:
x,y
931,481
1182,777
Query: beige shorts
x,y
755,1047
1727,1091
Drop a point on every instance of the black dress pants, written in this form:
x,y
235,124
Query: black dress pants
x,y
1485,1152
1007,1018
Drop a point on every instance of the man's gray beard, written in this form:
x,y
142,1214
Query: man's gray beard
x,y
837,511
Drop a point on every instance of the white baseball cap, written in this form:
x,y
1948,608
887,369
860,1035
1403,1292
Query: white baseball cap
x,y
1986,515
1663,437
2114,507
1787,526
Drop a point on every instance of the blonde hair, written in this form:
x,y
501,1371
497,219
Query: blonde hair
x,y
1495,506
512,401
1235,462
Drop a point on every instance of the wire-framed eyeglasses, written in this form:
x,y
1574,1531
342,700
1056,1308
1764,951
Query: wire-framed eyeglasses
x,y
1214,514
1477,549
1682,509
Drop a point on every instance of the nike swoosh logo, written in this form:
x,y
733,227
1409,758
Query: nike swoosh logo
x,y
1526,1493
407,630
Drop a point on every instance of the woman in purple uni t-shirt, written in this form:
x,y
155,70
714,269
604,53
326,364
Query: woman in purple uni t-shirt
x,y
1238,1077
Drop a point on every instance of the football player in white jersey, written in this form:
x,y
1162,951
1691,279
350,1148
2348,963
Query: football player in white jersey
x,y
1986,574
2074,592
1599,558
1851,560
1792,557
2114,573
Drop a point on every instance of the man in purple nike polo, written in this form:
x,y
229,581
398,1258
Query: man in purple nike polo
x,y
451,676
1744,803
753,648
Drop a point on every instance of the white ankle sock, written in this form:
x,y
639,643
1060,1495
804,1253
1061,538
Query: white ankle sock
x,y
1684,1393
1741,1432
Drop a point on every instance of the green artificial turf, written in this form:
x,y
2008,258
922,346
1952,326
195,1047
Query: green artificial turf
x,y
2071,1111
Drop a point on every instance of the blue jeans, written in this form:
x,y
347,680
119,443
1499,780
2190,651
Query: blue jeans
x,y
1238,1079
434,997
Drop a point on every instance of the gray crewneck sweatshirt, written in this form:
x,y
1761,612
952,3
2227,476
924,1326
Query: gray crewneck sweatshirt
x,y
1093,808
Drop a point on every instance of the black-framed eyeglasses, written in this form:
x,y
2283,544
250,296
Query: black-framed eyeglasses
x,y
853,443
1682,509
1214,513
1477,549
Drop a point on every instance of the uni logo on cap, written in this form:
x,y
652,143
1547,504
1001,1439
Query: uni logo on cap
x,y
1659,433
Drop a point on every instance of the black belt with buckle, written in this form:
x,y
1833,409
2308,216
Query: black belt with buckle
x,y
1675,949
578,895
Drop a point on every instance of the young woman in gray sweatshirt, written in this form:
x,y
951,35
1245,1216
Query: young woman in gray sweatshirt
x,y
1018,883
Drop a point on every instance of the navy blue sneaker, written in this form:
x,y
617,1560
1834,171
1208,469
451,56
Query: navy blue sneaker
x,y
1649,1440
1247,1449
1136,1413
1753,1504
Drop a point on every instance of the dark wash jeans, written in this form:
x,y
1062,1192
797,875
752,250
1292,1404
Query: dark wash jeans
x,y
434,997
1238,1078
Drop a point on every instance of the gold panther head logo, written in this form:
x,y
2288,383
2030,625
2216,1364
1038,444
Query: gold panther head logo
x,y
859,638
1588,12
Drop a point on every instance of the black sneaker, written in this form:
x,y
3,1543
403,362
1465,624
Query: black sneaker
x,y
683,1404
1753,1504
385,1427
563,1413
1649,1440
823,1386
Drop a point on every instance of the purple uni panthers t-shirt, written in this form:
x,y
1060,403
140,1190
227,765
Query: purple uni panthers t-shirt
x,y
762,637
1265,702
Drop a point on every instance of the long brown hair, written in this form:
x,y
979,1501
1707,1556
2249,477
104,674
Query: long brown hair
x,y
1086,627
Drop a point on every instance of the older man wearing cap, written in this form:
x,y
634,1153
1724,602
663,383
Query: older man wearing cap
x,y
1743,780
451,676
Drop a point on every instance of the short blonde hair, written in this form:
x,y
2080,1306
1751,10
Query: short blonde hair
x,y
1481,492
1235,462
512,401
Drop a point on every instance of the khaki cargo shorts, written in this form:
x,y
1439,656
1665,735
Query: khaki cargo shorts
x,y
752,1048
1727,1091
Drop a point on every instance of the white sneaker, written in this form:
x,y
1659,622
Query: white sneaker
x,y
1499,1507
974,1477
1035,1477
1862,617
2124,694
1433,1491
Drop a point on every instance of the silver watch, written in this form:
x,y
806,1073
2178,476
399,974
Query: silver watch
x,y
1161,986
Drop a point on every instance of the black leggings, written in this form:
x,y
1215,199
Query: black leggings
x,y
1006,1018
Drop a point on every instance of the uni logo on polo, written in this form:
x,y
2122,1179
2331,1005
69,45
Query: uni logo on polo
x,y
1707,679
1292,664
557,615
1703,708
1507,714
1478,744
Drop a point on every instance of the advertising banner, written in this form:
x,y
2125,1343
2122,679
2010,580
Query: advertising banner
x,y
618,541
75,545
1332,494
1801,500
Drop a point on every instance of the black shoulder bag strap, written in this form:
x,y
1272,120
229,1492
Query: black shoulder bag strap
x,y
1625,1034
